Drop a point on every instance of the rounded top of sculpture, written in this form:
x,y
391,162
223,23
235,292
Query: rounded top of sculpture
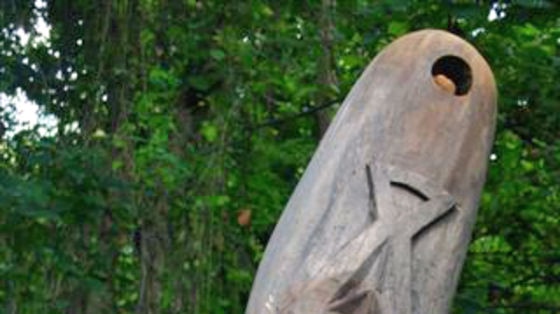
x,y
455,66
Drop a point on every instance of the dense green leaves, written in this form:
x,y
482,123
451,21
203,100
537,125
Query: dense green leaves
x,y
183,127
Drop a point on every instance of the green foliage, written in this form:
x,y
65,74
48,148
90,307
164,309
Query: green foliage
x,y
177,119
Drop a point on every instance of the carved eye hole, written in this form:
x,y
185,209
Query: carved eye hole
x,y
452,74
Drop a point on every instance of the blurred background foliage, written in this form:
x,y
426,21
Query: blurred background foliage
x,y
183,126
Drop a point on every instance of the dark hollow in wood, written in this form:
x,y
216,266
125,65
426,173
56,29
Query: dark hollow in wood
x,y
455,69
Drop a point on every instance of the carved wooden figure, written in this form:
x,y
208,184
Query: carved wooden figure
x,y
381,220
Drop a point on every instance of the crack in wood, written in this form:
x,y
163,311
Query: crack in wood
x,y
371,189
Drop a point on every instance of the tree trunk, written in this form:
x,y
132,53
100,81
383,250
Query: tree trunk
x,y
327,80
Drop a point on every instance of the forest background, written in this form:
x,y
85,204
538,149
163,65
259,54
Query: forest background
x,y
181,128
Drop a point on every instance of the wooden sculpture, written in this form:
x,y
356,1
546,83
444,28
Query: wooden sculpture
x,y
381,220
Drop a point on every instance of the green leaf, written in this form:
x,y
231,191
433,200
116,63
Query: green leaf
x,y
209,131
199,82
217,54
398,28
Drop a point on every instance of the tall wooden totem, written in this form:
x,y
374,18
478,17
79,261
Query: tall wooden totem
x,y
381,220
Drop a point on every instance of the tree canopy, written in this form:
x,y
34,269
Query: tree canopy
x,y
183,126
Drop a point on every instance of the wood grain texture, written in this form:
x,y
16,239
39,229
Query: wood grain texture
x,y
381,219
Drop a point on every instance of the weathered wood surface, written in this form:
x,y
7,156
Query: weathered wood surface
x,y
381,220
